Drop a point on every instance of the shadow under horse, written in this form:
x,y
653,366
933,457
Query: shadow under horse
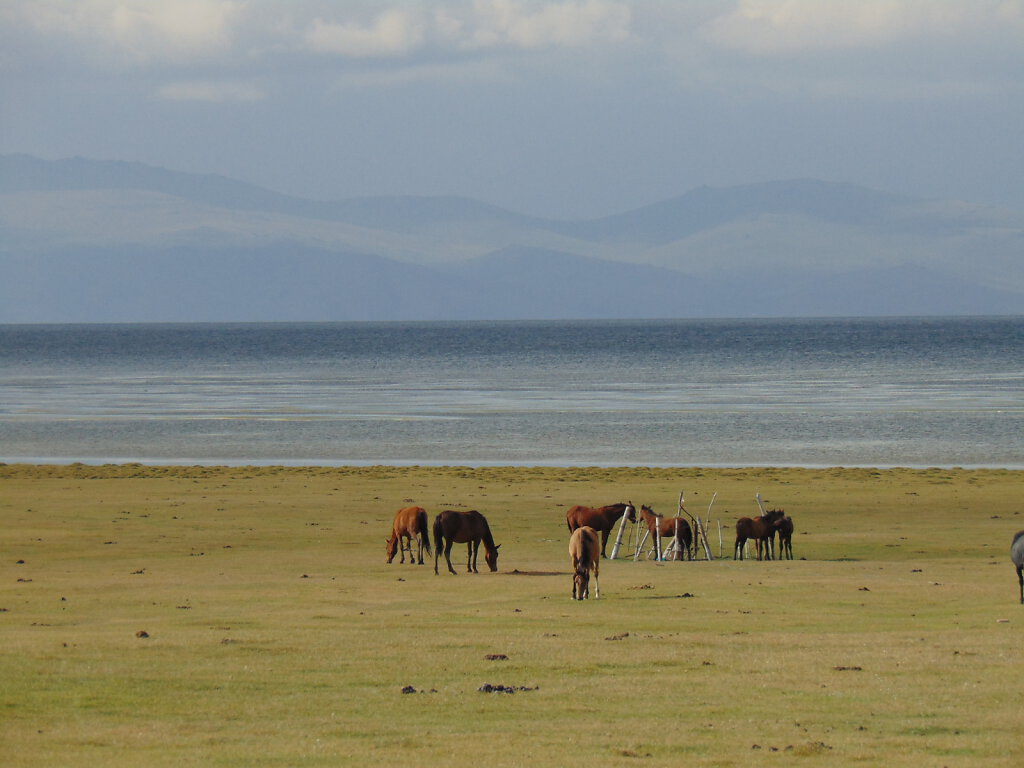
x,y
470,528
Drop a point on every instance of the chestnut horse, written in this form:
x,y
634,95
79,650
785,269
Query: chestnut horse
x,y
470,528
784,525
584,550
667,529
410,523
761,529
601,519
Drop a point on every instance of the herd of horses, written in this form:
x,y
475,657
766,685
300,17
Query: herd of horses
x,y
589,528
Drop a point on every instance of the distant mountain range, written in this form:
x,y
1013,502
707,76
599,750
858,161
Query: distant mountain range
x,y
91,241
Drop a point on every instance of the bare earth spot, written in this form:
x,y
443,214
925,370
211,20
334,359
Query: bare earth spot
x,y
489,688
496,657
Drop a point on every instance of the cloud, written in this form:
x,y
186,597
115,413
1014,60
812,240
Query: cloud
x,y
134,31
393,33
213,92
531,25
795,26
480,25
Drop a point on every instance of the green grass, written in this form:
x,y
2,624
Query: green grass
x,y
277,635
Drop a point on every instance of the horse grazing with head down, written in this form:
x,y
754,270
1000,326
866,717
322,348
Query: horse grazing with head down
x,y
410,523
1017,556
761,529
667,527
584,550
469,528
601,519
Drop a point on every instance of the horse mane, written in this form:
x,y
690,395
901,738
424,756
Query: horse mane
x,y
487,537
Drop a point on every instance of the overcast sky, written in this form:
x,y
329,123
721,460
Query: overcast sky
x,y
565,108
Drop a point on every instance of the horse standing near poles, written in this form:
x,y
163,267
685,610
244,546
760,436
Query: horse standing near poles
x,y
784,526
584,550
469,528
410,523
1017,556
666,527
761,529
601,519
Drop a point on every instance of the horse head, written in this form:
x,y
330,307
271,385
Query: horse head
x,y
581,581
491,556
630,512
392,547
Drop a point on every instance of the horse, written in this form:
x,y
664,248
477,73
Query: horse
x,y
761,529
470,528
601,519
584,547
410,523
784,526
1017,556
667,529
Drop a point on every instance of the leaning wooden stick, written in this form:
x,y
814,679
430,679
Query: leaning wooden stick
x,y
618,538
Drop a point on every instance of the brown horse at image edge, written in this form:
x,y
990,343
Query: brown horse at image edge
x,y
601,519
469,528
410,523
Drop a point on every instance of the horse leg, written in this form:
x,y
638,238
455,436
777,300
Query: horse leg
x,y
448,554
597,584
1020,578
737,548
604,541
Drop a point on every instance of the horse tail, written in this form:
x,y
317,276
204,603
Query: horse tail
x,y
438,535
423,526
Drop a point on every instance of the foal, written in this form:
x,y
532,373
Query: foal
x,y
585,551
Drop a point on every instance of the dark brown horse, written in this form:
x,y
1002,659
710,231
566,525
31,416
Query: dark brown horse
x,y
1017,556
784,526
470,528
584,550
410,523
761,529
601,519
666,527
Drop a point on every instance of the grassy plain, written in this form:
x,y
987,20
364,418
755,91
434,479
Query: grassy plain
x,y
166,616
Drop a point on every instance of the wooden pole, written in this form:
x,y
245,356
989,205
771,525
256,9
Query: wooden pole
x,y
618,538
640,545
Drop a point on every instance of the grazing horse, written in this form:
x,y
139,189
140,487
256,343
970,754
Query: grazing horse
x,y
667,529
584,549
761,529
784,526
470,528
1017,556
601,519
410,523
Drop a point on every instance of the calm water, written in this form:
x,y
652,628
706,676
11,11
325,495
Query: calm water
x,y
926,392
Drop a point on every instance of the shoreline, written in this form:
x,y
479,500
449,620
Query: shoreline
x,y
41,461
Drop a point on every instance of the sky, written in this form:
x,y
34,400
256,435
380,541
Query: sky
x,y
559,108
